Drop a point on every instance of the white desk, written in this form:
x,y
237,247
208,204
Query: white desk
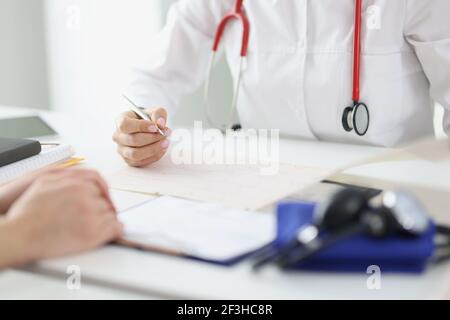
x,y
23,285
153,275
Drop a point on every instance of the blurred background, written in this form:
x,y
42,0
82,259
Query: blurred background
x,y
75,55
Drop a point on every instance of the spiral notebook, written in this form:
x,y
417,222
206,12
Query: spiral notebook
x,y
50,154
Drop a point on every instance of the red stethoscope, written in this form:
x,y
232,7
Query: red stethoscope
x,y
355,117
236,13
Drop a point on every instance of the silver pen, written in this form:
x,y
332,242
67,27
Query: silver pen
x,y
142,114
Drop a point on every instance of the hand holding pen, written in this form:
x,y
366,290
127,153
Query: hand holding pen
x,y
142,135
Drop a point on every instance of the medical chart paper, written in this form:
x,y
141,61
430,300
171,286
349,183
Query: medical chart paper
x,y
237,186
204,231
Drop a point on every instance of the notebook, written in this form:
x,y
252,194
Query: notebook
x,y
204,231
13,150
48,156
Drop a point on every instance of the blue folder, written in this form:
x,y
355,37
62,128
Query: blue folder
x,y
392,254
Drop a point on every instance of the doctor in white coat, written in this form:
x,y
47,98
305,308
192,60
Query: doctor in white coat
x,y
298,72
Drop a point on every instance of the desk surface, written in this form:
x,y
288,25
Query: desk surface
x,y
153,275
22,285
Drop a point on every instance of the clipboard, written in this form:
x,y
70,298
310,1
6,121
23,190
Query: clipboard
x,y
195,230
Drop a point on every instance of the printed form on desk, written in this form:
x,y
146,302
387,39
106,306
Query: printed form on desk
x,y
205,231
237,186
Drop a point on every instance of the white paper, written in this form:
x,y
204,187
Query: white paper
x,y
238,186
206,231
124,200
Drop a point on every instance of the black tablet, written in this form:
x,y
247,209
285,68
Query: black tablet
x,y
25,127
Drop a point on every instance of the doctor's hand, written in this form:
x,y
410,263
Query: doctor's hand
x,y
61,213
138,141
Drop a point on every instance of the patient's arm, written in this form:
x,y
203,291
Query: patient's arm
x,y
6,198
60,213
10,192
13,247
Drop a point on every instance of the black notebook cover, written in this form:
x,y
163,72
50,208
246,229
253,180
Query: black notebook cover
x,y
13,150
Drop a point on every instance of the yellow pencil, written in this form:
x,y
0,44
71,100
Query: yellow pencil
x,y
71,162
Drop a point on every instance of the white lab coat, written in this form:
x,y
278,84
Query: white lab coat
x,y
298,72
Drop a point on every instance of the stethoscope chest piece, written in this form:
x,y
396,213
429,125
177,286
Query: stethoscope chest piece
x,y
356,118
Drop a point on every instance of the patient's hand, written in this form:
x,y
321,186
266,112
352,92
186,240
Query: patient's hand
x,y
138,141
10,192
62,213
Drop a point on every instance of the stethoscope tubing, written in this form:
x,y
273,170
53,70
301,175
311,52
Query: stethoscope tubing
x,y
206,93
237,13
357,52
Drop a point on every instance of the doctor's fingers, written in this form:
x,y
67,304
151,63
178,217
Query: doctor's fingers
x,y
128,123
155,157
138,139
138,155
145,162
159,115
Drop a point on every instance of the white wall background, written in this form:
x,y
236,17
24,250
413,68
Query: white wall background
x,y
93,43
75,55
23,67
